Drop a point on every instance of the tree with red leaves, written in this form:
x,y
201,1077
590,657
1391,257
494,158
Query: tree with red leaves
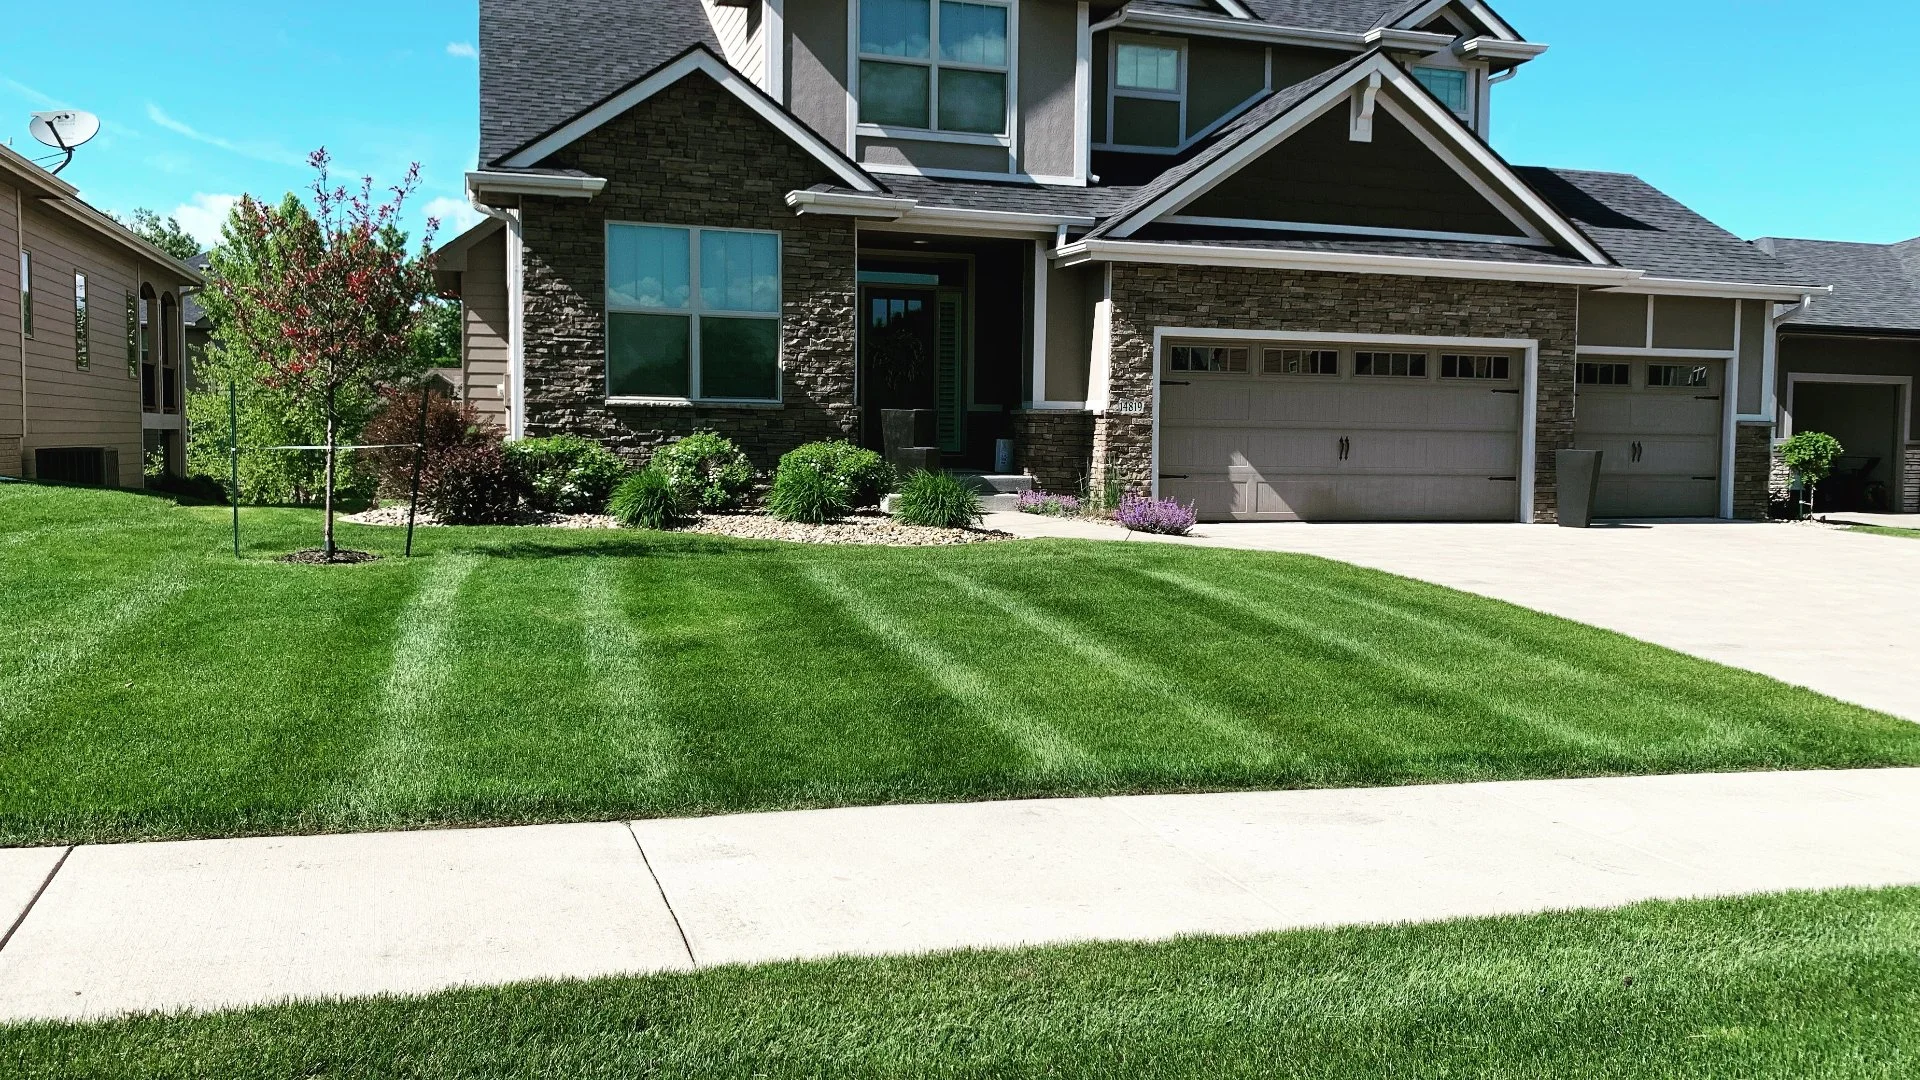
x,y
338,319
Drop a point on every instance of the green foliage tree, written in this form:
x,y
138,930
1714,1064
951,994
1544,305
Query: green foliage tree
x,y
436,334
1809,456
164,233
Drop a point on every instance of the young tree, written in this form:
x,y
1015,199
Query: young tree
x,y
164,233
336,317
1809,456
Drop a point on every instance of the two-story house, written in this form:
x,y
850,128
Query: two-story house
x,y
1254,254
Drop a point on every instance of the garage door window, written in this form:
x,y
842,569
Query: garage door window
x,y
1473,366
1606,374
1302,362
1396,365
1679,376
1200,358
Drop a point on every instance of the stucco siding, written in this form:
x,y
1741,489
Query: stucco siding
x,y
1613,320
817,67
1810,354
1070,298
485,327
1049,36
1221,76
1753,355
1691,322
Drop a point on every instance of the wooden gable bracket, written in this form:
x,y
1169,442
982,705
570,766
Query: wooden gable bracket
x,y
1365,98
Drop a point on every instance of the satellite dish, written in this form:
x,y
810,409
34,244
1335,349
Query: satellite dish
x,y
67,129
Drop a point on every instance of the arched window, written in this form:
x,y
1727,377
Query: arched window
x,y
149,371
169,354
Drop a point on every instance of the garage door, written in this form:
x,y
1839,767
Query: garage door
x,y
1251,432
1659,423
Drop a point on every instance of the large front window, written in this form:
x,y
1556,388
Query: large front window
x,y
935,66
693,313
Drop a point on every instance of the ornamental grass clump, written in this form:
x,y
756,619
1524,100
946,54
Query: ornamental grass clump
x,y
1163,516
710,471
648,500
1046,504
937,500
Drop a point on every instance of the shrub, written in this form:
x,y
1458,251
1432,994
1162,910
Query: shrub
x,y
1163,516
476,484
863,474
1809,456
567,474
938,500
1047,505
649,499
708,469
806,494
397,423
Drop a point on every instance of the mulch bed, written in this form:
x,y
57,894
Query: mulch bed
x,y
869,528
341,557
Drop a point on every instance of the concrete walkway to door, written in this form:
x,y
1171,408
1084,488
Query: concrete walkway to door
x,y
1819,607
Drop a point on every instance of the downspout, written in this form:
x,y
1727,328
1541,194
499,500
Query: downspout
x,y
20,245
516,318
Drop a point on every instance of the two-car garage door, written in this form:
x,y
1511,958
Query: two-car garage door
x,y
1257,432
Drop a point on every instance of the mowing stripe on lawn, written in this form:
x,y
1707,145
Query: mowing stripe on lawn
x,y
618,655
1419,674
1254,745
394,771
54,648
1046,746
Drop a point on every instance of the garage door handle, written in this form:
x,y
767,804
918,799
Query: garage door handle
x,y
1165,382
1706,478
1175,476
1504,479
1516,393
1706,397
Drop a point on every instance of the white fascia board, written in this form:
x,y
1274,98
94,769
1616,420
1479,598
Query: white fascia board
x,y
1419,41
1087,251
1212,26
1726,290
1478,10
699,60
515,183
1003,219
840,204
1484,48
1236,9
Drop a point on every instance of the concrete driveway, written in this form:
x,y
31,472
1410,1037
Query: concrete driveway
x,y
1834,611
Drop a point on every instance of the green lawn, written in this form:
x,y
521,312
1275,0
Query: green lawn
x,y
1885,530
153,686
1818,985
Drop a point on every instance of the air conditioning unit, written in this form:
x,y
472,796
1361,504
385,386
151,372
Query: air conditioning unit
x,y
90,466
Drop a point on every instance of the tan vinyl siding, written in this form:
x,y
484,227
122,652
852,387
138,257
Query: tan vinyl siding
x,y
1691,322
1615,320
484,355
9,332
68,406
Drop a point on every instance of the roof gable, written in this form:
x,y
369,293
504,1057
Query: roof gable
x,y
699,60
1368,94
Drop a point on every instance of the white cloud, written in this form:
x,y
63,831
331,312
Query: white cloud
x,y
269,153
38,99
456,215
463,49
203,216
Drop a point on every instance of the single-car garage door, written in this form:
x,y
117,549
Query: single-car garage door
x,y
1659,423
1255,432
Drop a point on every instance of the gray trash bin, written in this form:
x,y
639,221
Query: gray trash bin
x,y
1579,486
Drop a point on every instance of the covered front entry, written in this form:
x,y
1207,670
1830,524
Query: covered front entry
x,y
1660,424
1307,431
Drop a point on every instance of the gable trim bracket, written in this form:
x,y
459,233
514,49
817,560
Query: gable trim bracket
x,y
1365,100
701,60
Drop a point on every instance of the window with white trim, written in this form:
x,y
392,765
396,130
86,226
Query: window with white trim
x,y
26,292
1302,362
1219,360
82,345
693,313
936,66
1148,102
1678,376
1591,374
1489,368
1394,365
1453,86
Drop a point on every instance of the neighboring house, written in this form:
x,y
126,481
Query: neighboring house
x,y
1253,254
1848,364
91,347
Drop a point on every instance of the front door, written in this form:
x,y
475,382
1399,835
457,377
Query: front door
x,y
912,357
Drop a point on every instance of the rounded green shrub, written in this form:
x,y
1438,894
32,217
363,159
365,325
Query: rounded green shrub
x,y
708,469
567,474
864,474
937,500
475,485
649,500
805,494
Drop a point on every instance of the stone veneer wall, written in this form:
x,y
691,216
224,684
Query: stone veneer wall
x,y
1910,499
1753,471
1147,296
1055,447
691,155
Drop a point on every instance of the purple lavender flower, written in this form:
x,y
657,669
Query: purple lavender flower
x,y
1163,516
1047,505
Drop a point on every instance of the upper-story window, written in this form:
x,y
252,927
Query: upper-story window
x,y
935,66
1453,86
1148,104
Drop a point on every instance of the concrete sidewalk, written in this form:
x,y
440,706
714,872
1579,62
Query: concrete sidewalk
x,y
1818,607
225,923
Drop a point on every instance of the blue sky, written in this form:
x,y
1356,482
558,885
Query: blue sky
x,y
1769,116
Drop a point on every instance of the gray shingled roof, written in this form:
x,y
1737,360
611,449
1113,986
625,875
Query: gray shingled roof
x,y
1356,245
542,62
193,314
1095,201
1875,286
1349,16
1644,228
